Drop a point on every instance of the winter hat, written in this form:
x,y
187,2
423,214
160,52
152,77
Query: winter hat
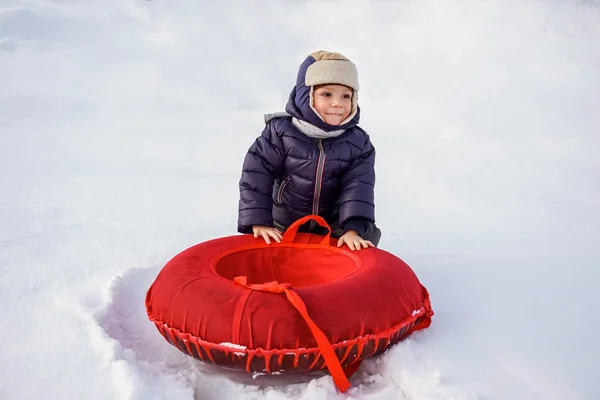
x,y
325,67
332,68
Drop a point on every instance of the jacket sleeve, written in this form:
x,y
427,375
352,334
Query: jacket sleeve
x,y
357,197
262,164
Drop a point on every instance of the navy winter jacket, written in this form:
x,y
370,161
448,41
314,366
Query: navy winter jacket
x,y
287,175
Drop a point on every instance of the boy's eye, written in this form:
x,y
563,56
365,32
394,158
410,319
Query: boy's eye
x,y
326,94
347,96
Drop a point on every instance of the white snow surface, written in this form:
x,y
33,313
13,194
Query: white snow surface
x,y
123,126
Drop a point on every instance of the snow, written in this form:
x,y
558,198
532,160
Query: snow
x,y
233,346
123,125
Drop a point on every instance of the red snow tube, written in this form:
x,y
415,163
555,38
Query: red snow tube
x,y
299,305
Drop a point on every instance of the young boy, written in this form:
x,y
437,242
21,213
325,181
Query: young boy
x,y
313,159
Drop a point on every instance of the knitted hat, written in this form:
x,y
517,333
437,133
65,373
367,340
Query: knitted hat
x,y
332,68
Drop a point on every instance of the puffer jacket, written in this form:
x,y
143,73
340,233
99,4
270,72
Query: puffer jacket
x,y
287,175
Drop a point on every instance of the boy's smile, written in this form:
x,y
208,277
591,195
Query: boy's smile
x,y
333,103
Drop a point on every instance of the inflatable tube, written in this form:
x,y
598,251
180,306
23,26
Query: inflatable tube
x,y
299,305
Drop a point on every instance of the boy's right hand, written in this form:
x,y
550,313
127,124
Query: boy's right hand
x,y
267,232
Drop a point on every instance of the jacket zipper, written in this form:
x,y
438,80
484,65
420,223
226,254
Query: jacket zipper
x,y
318,182
282,188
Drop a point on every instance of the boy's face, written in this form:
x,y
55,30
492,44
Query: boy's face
x,y
333,103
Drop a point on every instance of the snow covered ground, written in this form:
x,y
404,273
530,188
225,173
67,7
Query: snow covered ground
x,y
123,125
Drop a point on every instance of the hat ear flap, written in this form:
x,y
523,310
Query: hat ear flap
x,y
354,108
311,102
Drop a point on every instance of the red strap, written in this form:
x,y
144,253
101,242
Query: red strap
x,y
331,360
352,368
290,233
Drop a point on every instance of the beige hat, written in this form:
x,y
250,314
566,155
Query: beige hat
x,y
335,68
331,68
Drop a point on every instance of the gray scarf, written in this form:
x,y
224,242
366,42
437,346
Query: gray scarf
x,y
305,127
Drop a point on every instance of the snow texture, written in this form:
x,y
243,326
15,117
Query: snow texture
x,y
123,126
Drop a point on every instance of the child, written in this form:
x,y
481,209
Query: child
x,y
313,159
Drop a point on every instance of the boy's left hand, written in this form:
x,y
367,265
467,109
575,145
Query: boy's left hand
x,y
354,241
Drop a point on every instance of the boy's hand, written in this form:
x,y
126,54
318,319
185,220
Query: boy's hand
x,y
354,241
266,232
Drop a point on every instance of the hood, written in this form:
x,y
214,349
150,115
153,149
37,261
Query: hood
x,y
298,104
